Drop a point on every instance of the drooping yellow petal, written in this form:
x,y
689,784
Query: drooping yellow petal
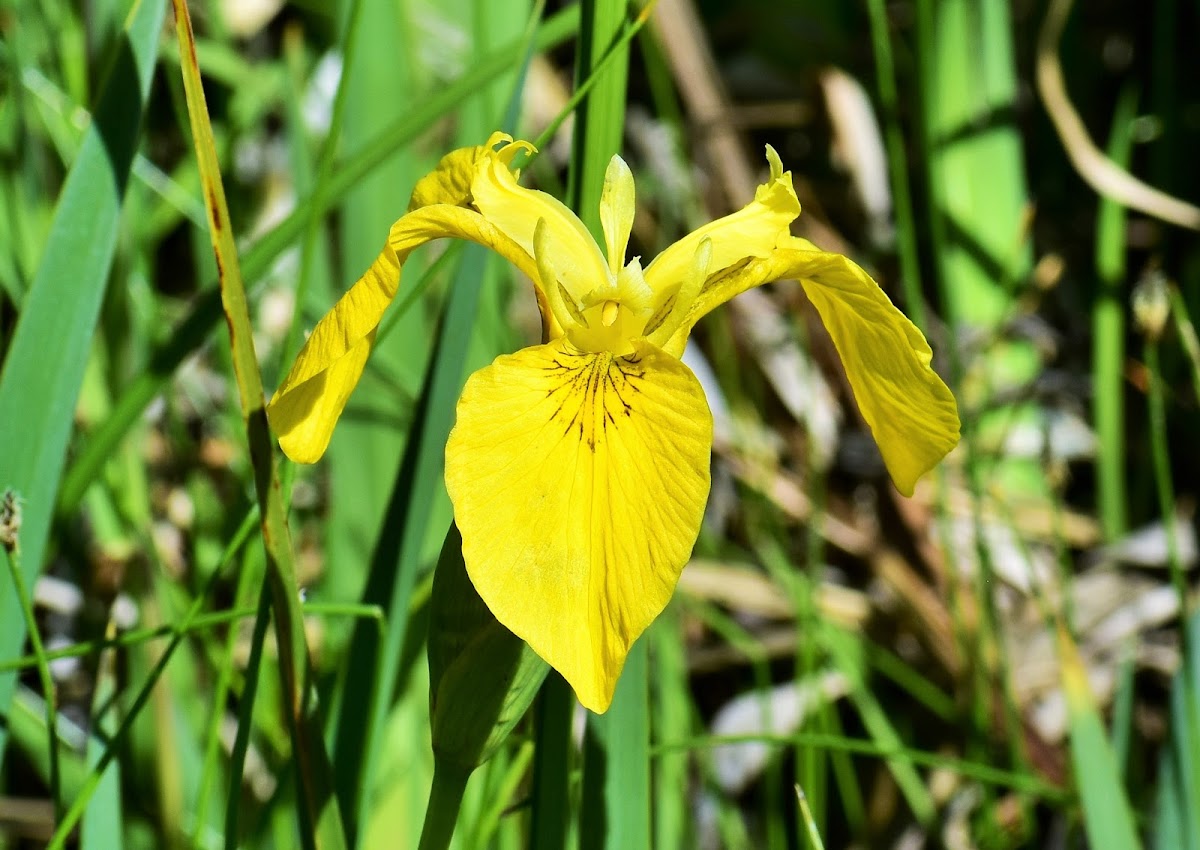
x,y
752,231
910,411
579,482
516,211
617,205
306,406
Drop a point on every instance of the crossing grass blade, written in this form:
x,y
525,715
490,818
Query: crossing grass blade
x,y
321,823
40,381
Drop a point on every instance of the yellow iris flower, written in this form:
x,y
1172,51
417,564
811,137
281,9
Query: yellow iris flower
x,y
579,468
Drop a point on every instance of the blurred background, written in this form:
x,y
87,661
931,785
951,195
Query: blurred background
x,y
1009,659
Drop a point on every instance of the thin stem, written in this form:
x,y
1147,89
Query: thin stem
x,y
42,663
445,797
204,621
906,231
1166,488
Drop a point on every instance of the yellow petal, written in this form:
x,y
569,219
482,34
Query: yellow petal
x,y
450,180
617,205
910,411
515,210
579,482
752,231
306,406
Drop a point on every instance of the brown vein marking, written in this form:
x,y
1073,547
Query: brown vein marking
x,y
593,393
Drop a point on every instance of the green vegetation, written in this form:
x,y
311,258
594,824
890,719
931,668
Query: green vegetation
x,y
204,645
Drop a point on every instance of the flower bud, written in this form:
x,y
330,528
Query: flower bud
x,y
1151,304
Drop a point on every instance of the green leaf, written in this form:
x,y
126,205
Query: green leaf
x,y
1107,815
44,367
482,677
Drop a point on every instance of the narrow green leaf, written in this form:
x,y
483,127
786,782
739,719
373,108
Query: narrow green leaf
x,y
1107,815
321,822
1108,334
44,367
102,825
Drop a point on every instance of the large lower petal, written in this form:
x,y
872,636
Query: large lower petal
x,y
579,481
910,410
306,406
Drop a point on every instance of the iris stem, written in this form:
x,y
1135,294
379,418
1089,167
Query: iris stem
x,y
445,797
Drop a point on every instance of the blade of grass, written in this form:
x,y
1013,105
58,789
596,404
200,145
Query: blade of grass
x,y
550,796
1107,815
321,821
40,382
1027,783
1108,334
241,742
846,653
102,825
9,508
1185,696
366,452
978,224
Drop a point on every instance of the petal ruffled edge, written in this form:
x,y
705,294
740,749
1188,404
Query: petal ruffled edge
x,y
450,180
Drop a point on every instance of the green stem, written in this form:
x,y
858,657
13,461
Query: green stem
x,y
1165,486
551,808
1108,336
43,667
1187,335
445,797
906,230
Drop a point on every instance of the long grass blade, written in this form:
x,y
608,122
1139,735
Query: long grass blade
x,y
1108,817
321,819
44,366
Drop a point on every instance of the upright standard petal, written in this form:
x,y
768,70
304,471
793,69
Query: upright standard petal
x,y
576,259
306,406
752,231
617,205
911,412
579,482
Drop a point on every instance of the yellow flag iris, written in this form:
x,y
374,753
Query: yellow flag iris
x,y
579,468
